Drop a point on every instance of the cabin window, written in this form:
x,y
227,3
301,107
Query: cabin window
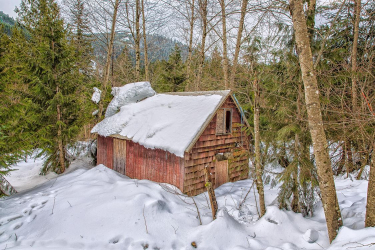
x,y
224,121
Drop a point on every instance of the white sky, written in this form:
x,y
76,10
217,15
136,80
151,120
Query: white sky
x,y
8,6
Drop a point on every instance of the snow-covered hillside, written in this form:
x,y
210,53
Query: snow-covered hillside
x,y
97,208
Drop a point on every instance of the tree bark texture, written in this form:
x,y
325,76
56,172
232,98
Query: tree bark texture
x,y
59,137
137,41
203,13
258,167
323,164
238,44
108,60
190,51
145,41
357,14
370,206
225,47
211,193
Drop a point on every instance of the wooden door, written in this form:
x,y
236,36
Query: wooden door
x,y
221,173
119,155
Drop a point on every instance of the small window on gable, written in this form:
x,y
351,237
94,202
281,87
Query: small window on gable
x,y
224,121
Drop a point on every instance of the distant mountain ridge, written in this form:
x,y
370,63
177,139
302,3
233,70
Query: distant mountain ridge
x,y
7,21
159,47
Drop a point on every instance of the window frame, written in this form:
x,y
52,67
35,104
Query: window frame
x,y
225,132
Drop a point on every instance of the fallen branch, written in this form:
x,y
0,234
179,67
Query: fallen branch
x,y
144,217
54,198
199,215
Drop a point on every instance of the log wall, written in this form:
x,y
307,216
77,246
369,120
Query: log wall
x,y
153,164
208,145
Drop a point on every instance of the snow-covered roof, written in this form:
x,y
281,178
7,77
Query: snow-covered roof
x,y
169,121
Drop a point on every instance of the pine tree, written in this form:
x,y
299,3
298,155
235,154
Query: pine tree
x,y
173,75
17,122
55,84
81,35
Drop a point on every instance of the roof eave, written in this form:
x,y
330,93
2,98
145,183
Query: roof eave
x,y
205,124
208,120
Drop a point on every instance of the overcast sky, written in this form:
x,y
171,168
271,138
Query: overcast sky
x,y
8,6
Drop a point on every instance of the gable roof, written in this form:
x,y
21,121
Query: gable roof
x,y
169,121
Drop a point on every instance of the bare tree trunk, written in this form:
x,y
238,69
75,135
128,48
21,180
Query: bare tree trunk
x,y
323,164
145,41
357,14
137,41
211,193
370,206
258,167
108,60
203,13
349,162
59,138
238,44
190,53
225,47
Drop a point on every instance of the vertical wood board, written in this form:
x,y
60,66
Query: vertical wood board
x,y
119,155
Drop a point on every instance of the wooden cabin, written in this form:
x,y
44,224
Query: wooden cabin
x,y
206,130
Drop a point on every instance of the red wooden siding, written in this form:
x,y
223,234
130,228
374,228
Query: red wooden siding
x,y
153,164
208,145
105,151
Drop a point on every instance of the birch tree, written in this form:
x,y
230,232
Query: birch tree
x,y
238,44
108,58
326,182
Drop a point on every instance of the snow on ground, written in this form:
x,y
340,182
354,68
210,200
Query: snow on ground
x,y
98,208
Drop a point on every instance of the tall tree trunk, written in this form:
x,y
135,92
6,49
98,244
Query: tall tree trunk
x,y
225,47
145,41
108,60
190,51
299,155
357,15
59,138
203,13
370,206
258,166
238,44
137,41
315,120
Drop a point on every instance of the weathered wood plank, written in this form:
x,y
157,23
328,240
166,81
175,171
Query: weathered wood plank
x,y
208,145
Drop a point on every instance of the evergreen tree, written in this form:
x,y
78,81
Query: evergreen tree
x,y
123,69
17,120
81,34
55,85
173,75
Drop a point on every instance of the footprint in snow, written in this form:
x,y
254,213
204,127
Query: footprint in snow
x,y
32,205
9,219
26,211
115,240
18,225
30,218
37,206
